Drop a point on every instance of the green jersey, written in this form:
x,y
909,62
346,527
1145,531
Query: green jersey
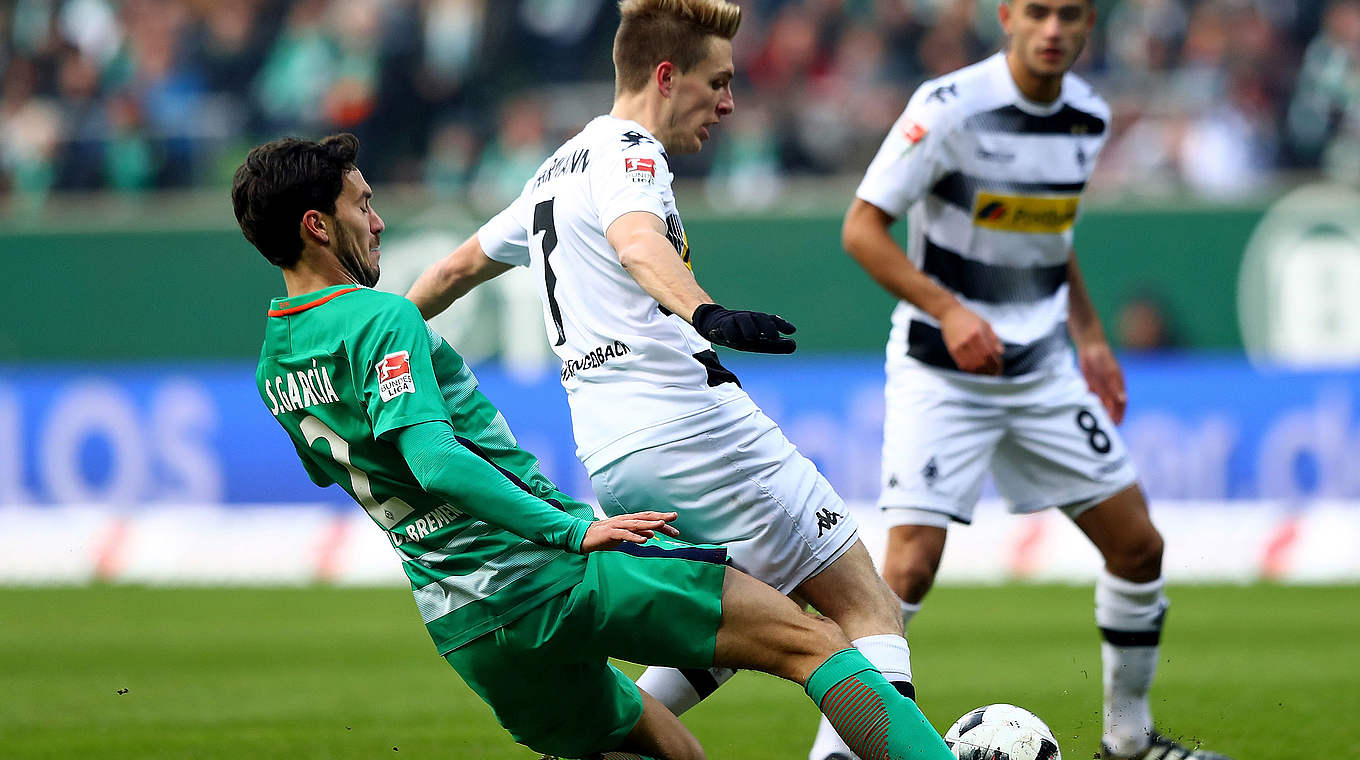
x,y
343,370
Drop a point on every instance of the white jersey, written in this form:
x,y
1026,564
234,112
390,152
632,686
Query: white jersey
x,y
990,182
635,375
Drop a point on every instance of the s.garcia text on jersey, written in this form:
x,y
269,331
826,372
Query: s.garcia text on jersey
x,y
294,391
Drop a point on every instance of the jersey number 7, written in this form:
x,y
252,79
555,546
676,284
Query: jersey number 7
x,y
543,222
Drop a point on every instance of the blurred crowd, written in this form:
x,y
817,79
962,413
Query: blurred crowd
x,y
465,97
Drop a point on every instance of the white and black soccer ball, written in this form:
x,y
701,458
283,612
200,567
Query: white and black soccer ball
x,y
1001,732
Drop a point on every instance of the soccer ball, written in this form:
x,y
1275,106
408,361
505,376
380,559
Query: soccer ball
x,y
1001,732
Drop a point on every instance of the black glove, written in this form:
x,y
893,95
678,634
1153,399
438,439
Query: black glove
x,y
744,330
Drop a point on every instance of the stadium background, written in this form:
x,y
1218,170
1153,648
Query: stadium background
x,y
1220,239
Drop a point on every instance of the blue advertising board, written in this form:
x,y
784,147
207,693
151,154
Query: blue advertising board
x,y
127,435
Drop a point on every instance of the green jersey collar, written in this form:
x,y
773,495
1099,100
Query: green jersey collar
x,y
282,307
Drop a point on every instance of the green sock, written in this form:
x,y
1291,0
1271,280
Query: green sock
x,y
868,712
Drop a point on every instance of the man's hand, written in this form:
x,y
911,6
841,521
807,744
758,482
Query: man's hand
x,y
634,529
1103,375
744,330
971,342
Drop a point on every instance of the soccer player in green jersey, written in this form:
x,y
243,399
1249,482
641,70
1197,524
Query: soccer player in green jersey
x,y
524,592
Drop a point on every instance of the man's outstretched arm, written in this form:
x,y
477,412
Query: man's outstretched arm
x,y
449,470
453,276
639,239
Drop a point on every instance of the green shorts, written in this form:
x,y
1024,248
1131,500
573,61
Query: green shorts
x,y
547,675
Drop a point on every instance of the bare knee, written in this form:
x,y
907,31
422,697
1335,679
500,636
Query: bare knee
x,y
912,559
909,575
1138,559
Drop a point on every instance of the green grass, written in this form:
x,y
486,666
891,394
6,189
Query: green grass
x,y
1261,672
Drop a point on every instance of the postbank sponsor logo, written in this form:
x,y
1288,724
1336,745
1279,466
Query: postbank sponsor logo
x,y
1050,215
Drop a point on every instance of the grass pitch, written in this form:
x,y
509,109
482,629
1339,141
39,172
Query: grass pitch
x,y
1259,672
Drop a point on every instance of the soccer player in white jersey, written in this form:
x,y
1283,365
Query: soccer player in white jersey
x,y
657,418
988,164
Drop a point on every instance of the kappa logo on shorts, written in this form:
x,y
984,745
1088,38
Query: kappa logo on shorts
x,y
826,519
394,375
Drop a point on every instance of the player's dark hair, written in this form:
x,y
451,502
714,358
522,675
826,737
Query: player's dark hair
x,y
284,179
653,31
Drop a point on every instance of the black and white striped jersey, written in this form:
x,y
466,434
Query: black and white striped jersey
x,y
990,183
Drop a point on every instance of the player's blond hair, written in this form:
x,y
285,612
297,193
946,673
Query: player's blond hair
x,y
653,31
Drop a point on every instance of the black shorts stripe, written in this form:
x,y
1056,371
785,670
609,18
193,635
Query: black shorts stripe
x,y
717,373
702,680
1132,638
991,283
925,344
715,555
1012,120
958,189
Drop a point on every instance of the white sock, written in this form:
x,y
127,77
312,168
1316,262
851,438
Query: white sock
x,y
909,611
1130,617
890,654
680,690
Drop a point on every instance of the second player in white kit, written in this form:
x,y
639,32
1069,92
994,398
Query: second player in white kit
x,y
988,164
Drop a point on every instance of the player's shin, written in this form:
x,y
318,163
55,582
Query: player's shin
x,y
680,689
890,654
1130,617
876,721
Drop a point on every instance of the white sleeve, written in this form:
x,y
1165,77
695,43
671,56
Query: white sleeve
x,y
505,238
635,179
912,157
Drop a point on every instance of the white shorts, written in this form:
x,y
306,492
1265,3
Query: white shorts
x,y
742,485
1055,448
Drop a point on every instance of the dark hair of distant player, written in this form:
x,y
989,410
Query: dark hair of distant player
x,y
284,179
653,31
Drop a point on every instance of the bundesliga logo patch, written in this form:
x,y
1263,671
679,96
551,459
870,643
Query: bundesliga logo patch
x,y
913,132
394,375
642,170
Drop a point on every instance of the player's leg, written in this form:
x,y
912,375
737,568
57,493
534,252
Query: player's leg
x,y
552,689
1130,610
911,558
765,630
851,592
1069,453
657,734
746,486
935,455
671,603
